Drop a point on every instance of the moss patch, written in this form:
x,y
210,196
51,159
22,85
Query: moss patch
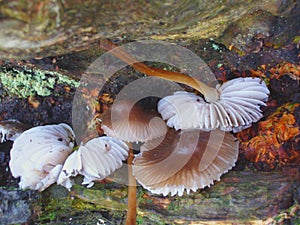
x,y
23,82
75,211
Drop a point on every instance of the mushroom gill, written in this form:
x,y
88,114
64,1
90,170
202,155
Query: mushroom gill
x,y
38,154
185,160
95,160
130,122
237,107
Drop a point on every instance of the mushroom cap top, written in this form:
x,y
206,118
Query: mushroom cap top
x,y
37,155
130,122
237,108
95,160
185,160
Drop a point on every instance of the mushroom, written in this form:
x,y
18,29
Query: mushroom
x,y
131,123
38,154
42,156
234,105
237,108
95,160
185,160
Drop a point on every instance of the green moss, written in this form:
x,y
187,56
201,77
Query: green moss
x,y
54,208
156,219
29,82
58,209
296,39
150,218
108,199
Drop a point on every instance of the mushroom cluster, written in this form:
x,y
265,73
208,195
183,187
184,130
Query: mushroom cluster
x,y
196,150
170,161
44,155
185,141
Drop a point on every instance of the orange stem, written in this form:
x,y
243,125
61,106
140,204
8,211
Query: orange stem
x,y
151,71
131,211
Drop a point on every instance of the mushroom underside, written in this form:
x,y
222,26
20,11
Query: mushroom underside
x,y
185,160
237,108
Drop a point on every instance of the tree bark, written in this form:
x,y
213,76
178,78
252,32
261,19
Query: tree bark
x,y
239,196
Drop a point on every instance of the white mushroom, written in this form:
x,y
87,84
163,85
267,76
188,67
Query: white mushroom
x,y
185,160
95,160
38,154
130,122
237,107
71,168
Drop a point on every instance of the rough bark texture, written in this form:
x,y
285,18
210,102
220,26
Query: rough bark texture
x,y
33,28
17,206
243,197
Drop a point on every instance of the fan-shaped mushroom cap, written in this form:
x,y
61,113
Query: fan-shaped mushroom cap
x,y
95,160
236,109
37,155
185,160
131,123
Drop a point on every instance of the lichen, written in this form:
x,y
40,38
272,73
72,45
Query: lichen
x,y
30,82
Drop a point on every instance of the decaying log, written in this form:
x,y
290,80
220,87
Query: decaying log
x,y
239,196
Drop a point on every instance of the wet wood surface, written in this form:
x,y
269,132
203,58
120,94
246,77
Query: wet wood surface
x,y
241,196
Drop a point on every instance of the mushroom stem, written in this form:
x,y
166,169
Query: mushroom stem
x,y
209,93
131,211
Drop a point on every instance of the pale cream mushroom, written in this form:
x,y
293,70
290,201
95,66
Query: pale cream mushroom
x,y
185,160
237,107
42,156
131,123
95,160
71,168
38,154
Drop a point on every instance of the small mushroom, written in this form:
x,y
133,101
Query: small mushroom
x,y
95,160
38,154
131,123
185,160
237,107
